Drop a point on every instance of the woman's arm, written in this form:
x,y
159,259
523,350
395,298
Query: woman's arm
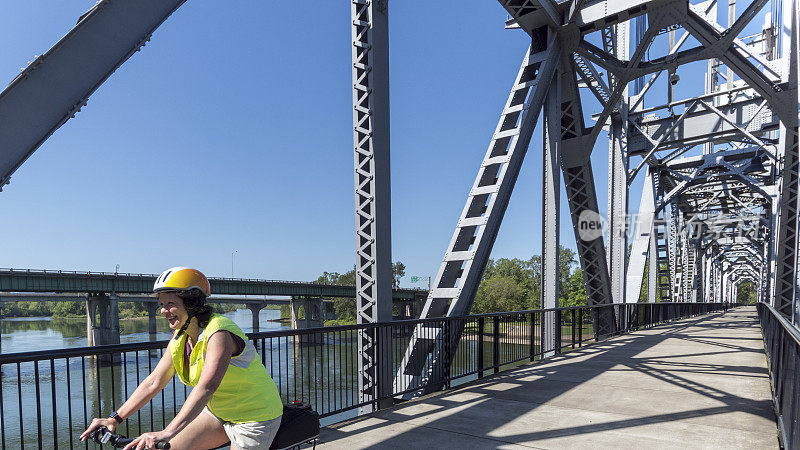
x,y
146,390
219,349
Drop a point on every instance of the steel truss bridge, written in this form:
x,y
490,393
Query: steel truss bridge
x,y
719,203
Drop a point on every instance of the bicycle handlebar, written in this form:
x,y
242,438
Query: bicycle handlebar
x,y
103,435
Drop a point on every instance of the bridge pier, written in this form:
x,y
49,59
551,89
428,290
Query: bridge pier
x,y
151,309
255,309
312,317
102,323
330,311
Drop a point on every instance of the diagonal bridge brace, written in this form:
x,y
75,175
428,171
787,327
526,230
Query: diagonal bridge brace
x,y
425,363
56,85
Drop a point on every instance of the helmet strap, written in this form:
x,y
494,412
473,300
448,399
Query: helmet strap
x,y
185,325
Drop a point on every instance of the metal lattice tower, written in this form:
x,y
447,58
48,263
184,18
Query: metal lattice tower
x,y
370,31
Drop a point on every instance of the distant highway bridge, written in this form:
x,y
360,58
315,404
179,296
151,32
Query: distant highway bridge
x,y
102,291
29,280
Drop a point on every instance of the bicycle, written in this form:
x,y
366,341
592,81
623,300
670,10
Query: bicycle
x,y
103,435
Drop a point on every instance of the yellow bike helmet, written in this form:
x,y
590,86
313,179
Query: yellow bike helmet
x,y
181,279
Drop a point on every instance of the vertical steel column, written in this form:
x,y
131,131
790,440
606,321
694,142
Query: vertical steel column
x,y
370,54
697,274
726,286
689,256
713,289
652,265
551,200
766,272
643,235
704,276
674,251
653,269
617,251
786,238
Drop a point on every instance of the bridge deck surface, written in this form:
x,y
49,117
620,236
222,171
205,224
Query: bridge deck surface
x,y
695,383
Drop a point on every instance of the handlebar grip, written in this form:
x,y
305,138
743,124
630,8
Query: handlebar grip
x,y
162,444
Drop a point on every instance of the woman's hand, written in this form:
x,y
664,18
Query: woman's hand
x,y
109,423
148,440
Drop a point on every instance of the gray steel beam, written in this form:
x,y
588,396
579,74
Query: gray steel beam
x,y
57,84
642,237
587,18
618,157
617,253
551,202
702,124
370,55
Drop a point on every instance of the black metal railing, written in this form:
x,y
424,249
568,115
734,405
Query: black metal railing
x,y
782,346
47,398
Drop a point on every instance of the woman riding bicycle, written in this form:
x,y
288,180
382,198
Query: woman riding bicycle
x,y
233,397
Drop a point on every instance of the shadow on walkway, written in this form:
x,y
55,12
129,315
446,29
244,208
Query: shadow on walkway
x,y
695,383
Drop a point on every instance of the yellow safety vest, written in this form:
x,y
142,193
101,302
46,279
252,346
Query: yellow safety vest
x,y
246,393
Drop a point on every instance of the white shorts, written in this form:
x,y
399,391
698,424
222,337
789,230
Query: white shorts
x,y
250,435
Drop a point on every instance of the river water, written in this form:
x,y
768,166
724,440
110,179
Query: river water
x,y
27,334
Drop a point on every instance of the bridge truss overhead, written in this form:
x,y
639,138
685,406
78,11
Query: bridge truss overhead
x,y
719,158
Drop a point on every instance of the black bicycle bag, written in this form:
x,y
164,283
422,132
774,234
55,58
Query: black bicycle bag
x,y
299,425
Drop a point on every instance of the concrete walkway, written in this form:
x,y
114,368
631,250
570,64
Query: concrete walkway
x,y
695,383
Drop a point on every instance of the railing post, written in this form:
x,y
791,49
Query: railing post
x,y
557,330
628,313
448,350
573,328
481,330
532,339
596,322
580,327
376,381
496,343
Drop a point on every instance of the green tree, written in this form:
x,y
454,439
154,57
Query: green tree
x,y
643,292
566,260
68,309
500,293
525,274
746,294
398,271
576,290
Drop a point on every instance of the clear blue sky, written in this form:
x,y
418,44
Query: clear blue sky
x,y
232,130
